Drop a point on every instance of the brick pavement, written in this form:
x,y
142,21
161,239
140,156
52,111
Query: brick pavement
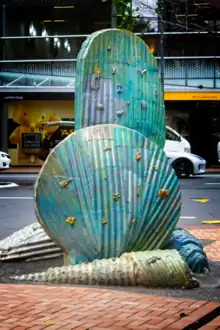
x,y
52,307
209,233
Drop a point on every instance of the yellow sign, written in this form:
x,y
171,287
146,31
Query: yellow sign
x,y
211,222
199,200
192,96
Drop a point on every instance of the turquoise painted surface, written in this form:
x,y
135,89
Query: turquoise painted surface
x,y
190,248
118,83
114,174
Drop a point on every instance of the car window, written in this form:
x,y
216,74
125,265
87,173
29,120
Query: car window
x,y
171,136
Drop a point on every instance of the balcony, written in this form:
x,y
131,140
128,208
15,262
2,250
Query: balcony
x,y
192,72
58,75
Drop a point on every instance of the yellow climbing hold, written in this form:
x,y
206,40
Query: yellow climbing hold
x,y
200,200
138,156
71,220
104,221
138,191
163,193
97,70
65,183
104,176
107,149
116,196
155,168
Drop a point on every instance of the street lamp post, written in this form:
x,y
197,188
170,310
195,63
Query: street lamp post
x,y
113,16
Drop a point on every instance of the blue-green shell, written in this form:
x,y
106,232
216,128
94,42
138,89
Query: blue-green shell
x,y
118,82
114,176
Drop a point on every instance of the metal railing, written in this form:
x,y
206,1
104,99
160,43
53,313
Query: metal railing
x,y
197,72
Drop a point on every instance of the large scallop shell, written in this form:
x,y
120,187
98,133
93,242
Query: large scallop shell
x,y
118,82
105,190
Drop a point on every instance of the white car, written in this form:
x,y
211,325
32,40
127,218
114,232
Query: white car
x,y
218,151
185,163
178,151
5,160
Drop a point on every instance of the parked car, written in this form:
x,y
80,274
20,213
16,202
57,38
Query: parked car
x,y
178,150
175,142
186,164
218,151
5,160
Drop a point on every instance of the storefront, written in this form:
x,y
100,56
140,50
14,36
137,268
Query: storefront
x,y
22,118
196,116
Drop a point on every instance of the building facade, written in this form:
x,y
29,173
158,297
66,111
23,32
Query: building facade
x,y
39,43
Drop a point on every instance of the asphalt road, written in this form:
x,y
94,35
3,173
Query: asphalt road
x,y
17,205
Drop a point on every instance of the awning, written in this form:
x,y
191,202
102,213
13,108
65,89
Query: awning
x,y
35,83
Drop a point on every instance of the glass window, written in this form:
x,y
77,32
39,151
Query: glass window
x,y
55,20
171,136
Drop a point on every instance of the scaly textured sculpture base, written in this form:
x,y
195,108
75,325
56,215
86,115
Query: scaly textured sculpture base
x,y
151,269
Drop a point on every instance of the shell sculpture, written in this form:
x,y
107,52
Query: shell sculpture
x,y
190,248
105,190
108,188
131,269
118,82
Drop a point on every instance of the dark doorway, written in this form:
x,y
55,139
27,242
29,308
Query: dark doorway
x,y
204,128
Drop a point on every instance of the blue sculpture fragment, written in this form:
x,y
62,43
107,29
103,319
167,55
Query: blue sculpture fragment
x,y
190,248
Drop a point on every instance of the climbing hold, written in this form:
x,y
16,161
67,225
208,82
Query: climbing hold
x,y
120,112
142,72
133,220
155,168
104,176
138,191
97,70
95,81
104,221
64,184
119,88
163,193
116,196
100,107
108,148
143,104
71,220
109,48
113,70
138,156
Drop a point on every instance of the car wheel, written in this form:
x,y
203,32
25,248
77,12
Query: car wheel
x,y
182,167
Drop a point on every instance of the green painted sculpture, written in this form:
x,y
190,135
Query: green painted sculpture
x,y
109,189
118,83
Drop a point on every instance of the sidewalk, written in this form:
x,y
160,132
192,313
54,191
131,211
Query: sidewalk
x,y
209,233
51,307
21,170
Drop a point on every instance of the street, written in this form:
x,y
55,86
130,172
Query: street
x,y
200,201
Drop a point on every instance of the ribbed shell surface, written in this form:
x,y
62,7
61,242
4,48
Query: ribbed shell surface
x,y
115,176
190,248
150,269
128,89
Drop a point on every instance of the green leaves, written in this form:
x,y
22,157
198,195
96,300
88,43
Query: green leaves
x,y
124,14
